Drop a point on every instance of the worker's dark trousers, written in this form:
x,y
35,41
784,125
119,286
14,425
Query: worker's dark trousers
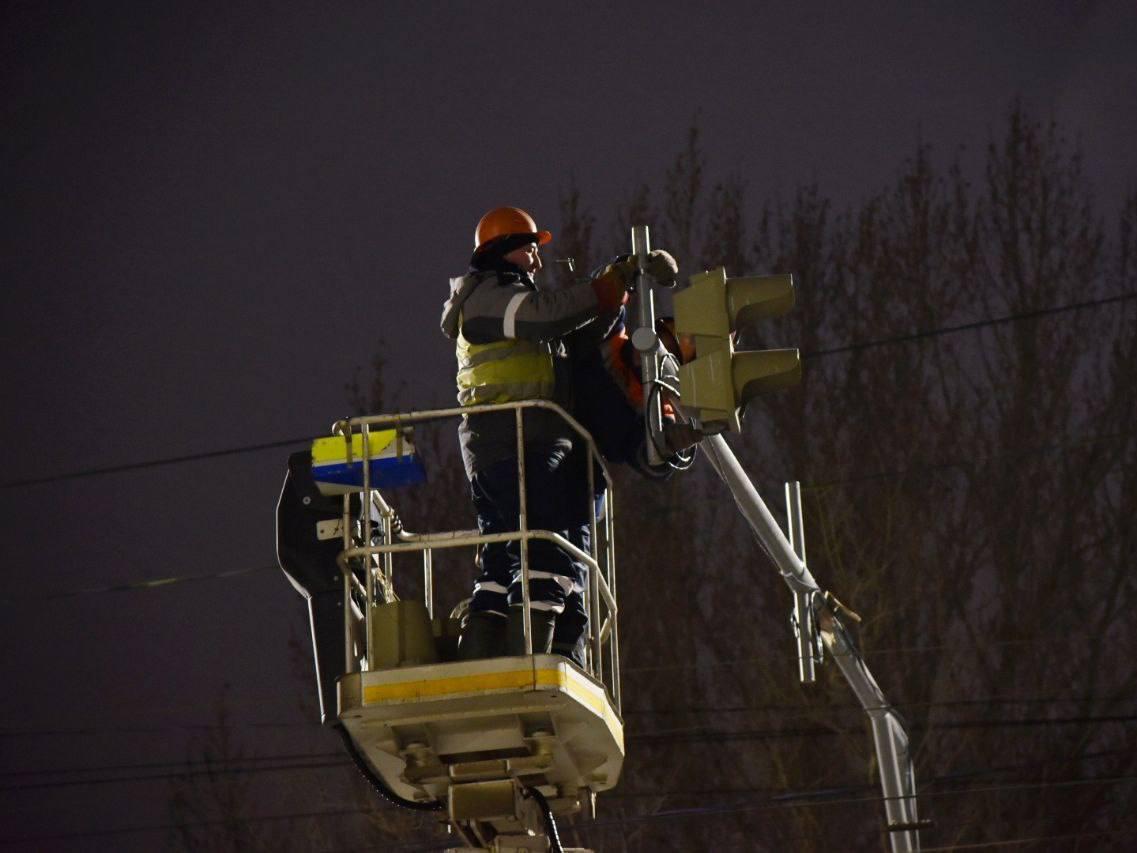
x,y
573,621
556,492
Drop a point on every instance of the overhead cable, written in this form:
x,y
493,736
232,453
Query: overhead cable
x,y
322,761
219,766
853,347
791,799
1034,839
965,327
785,710
154,463
704,735
185,774
795,800
170,827
130,586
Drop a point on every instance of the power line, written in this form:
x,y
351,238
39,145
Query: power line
x,y
152,583
901,706
812,800
702,734
153,463
798,800
1014,842
853,347
335,760
168,827
164,729
130,586
150,777
797,710
791,799
922,649
219,766
942,778
978,324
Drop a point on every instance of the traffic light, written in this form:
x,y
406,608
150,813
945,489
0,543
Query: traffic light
x,y
719,382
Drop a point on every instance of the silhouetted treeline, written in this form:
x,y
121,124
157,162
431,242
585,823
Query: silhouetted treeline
x,y
964,436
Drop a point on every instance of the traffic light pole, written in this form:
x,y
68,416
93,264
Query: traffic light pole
x,y
897,775
646,342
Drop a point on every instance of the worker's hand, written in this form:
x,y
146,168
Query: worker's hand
x,y
611,286
610,289
662,267
678,436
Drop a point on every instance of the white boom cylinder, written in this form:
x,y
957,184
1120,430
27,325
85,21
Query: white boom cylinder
x,y
804,629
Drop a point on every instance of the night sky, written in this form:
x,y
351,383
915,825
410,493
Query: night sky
x,y
213,215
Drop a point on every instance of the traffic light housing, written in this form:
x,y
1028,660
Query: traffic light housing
x,y
719,382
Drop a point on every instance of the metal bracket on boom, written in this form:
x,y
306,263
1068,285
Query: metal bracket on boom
x,y
810,650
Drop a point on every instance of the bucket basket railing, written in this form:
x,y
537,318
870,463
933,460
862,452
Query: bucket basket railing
x,y
367,561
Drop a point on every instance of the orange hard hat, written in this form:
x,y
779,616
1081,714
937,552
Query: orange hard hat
x,y
507,220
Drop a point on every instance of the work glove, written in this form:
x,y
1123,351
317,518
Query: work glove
x,y
678,436
661,267
611,288
612,284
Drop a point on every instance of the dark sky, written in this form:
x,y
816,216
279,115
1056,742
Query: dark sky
x,y
212,214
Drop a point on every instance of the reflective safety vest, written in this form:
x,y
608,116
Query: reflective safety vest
x,y
503,371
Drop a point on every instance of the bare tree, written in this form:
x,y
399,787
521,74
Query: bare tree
x,y
967,490
211,810
964,437
574,238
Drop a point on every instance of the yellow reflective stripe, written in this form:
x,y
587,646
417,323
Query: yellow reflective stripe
x,y
487,394
407,690
512,680
467,350
502,371
496,355
523,369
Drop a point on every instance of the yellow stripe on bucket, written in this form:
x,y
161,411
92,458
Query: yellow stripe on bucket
x,y
434,688
333,448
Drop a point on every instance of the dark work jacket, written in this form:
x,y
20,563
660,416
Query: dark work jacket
x,y
477,306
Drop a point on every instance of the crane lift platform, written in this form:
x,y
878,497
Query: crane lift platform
x,y
503,746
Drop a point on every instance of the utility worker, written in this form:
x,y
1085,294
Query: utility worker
x,y
509,346
609,398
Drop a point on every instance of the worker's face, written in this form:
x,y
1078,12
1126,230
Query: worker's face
x,y
527,257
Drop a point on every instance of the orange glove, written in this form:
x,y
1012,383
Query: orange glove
x,y
611,286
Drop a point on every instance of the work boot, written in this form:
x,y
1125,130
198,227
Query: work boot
x,y
541,621
483,636
572,651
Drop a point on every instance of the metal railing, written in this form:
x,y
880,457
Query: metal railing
x,y
382,536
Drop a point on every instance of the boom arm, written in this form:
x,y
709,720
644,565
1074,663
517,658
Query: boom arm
x,y
897,776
